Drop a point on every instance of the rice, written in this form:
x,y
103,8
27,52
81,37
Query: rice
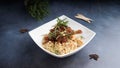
x,y
63,48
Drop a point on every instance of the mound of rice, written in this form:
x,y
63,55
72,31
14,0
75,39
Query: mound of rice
x,y
63,48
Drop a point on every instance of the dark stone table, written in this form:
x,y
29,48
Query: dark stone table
x,y
18,50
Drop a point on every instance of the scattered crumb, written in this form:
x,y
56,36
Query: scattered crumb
x,y
23,30
82,17
94,56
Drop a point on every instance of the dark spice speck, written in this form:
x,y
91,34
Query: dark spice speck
x,y
23,30
94,56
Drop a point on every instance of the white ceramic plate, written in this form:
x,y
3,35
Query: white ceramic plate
x,y
37,34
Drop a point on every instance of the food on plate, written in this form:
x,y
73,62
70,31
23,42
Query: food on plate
x,y
62,39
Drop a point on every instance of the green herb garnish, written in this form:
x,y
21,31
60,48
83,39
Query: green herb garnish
x,y
61,22
81,37
54,35
61,32
57,52
37,8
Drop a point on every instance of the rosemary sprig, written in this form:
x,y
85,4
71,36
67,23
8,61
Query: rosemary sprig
x,y
37,8
61,22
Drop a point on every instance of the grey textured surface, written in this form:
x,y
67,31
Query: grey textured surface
x,y
19,51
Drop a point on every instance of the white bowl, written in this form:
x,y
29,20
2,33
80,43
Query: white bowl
x,y
37,34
